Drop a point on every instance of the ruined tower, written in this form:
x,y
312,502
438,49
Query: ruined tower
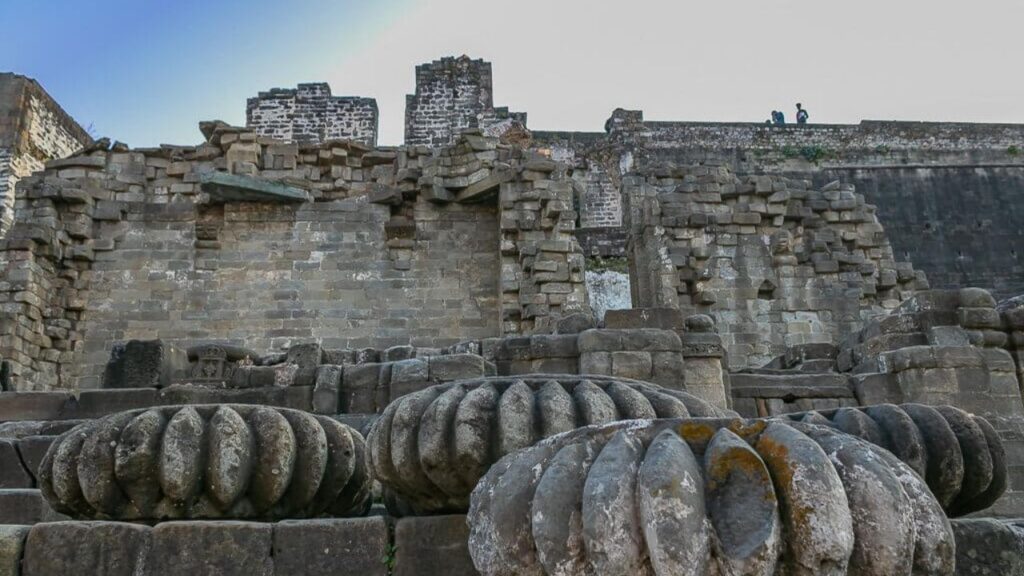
x,y
452,94
33,130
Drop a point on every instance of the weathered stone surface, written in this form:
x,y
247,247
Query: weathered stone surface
x,y
988,547
188,548
12,547
964,468
632,498
25,506
432,446
207,461
113,548
13,473
325,547
143,364
432,546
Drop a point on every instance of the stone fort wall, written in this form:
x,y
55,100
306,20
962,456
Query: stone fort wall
x,y
953,184
264,244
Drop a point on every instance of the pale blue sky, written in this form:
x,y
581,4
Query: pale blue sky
x,y
147,72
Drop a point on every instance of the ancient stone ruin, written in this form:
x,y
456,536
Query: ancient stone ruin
x,y
656,348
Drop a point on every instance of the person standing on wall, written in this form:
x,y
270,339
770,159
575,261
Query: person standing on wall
x,y
801,114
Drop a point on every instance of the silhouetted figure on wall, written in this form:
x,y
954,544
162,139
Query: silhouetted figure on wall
x,y
801,114
778,117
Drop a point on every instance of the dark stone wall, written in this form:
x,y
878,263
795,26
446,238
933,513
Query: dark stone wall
x,y
961,225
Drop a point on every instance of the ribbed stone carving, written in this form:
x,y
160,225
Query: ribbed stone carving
x,y
958,454
691,497
431,447
207,461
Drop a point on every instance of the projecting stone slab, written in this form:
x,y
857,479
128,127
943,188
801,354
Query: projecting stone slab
x,y
223,187
32,405
327,547
110,548
433,546
224,548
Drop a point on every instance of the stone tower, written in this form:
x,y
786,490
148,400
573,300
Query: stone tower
x,y
452,94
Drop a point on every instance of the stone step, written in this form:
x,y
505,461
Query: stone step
x,y
431,546
26,506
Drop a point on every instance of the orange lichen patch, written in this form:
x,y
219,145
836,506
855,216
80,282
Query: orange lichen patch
x,y
734,460
749,430
696,432
776,457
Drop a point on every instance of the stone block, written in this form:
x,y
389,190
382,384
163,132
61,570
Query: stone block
x,y
599,341
660,318
668,369
873,389
553,346
326,388
396,353
25,506
109,548
456,367
331,546
595,363
12,548
702,345
359,388
947,336
143,364
32,449
988,547
631,364
408,376
13,473
307,357
555,365
223,548
651,340
97,403
706,379
979,318
575,323
16,406
432,546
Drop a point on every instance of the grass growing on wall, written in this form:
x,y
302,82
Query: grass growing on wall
x,y
613,264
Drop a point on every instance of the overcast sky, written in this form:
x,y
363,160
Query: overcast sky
x,y
148,72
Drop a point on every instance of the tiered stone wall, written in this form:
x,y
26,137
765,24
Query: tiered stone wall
x,y
390,246
310,114
953,184
33,129
776,263
452,94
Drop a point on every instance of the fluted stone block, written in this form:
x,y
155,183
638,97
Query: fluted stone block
x,y
958,454
431,447
207,461
691,497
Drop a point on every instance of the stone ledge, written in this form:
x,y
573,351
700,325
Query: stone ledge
x,y
227,548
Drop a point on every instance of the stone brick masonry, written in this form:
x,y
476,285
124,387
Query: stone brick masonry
x,y
33,129
310,114
452,94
